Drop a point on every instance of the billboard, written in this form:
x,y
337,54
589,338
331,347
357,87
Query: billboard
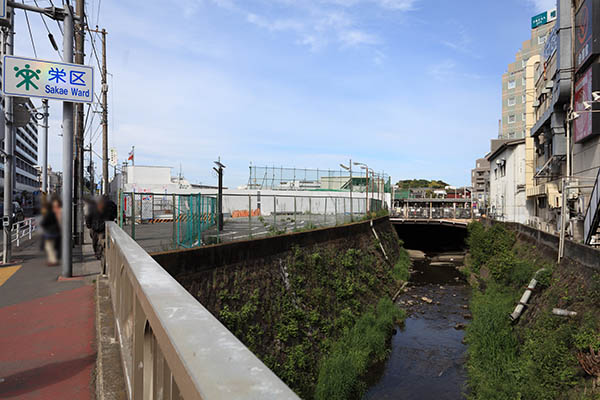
x,y
588,123
587,26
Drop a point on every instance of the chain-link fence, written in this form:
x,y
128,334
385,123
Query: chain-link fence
x,y
280,178
160,222
255,215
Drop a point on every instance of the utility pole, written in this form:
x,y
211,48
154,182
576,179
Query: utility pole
x,y
105,187
67,191
45,148
9,161
79,128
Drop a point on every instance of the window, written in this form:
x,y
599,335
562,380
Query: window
x,y
512,84
541,39
523,81
523,99
523,117
512,119
511,101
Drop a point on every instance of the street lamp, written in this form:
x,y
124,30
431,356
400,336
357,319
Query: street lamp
x,y
349,168
219,172
365,167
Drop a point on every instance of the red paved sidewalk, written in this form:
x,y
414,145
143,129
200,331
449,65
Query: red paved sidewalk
x,y
47,347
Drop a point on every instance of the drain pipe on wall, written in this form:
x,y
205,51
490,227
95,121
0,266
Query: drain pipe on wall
x,y
525,298
379,241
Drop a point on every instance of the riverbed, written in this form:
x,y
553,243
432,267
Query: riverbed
x,y
427,353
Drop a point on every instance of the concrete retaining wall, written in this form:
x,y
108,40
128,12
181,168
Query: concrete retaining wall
x,y
209,257
581,254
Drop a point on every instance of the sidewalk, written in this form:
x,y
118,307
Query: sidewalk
x,y
47,334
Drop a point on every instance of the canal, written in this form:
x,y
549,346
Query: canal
x,y
427,353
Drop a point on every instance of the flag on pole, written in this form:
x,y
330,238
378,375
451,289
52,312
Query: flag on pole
x,y
131,154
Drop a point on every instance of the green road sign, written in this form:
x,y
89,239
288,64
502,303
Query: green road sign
x,y
27,77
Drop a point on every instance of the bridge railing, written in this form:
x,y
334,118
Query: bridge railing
x,y
171,346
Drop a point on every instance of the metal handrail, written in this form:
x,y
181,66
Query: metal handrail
x,y
171,346
24,229
590,220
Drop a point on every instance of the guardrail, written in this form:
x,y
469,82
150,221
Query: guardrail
x,y
171,346
23,229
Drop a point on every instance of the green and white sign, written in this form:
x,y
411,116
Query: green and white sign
x,y
543,18
28,77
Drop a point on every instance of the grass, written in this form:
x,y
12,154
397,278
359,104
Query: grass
x,y
534,360
366,343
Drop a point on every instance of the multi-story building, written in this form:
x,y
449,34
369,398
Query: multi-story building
x,y
514,95
480,182
26,177
508,201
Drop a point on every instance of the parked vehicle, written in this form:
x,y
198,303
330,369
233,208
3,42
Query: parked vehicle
x,y
17,215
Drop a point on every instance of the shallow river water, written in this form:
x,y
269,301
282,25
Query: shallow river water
x,y
427,354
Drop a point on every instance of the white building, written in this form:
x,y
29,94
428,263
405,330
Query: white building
x,y
26,177
508,199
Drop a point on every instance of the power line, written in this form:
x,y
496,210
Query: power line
x,y
30,34
47,28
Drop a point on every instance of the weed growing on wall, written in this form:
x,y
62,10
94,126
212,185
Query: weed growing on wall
x,y
307,305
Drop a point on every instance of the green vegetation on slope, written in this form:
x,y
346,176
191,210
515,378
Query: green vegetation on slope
x,y
536,358
298,311
350,357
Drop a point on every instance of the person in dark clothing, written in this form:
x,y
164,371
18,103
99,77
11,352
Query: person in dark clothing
x,y
50,224
98,214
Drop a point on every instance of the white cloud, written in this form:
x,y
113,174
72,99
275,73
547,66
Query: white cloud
x,y
355,37
442,70
400,5
543,5
317,23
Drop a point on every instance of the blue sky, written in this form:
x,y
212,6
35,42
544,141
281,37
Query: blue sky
x,y
411,87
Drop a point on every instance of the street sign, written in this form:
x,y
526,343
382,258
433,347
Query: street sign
x,y
28,77
113,160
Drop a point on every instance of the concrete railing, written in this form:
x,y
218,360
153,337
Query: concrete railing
x,y
171,346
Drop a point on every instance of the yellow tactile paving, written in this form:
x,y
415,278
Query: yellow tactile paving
x,y
7,272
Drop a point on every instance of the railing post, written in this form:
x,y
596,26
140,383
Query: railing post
x,y
325,213
133,215
295,217
309,210
30,228
18,235
174,222
250,216
275,212
335,210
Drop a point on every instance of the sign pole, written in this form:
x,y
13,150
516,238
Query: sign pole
x,y
9,161
45,148
67,190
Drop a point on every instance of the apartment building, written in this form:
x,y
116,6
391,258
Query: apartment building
x,y
514,90
26,177
480,182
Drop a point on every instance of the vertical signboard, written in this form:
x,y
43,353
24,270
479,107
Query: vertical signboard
x,y
587,26
588,123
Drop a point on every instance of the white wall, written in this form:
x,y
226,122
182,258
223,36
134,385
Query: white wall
x,y
507,201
